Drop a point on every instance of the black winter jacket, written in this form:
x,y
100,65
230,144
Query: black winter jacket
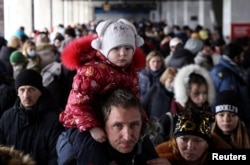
x,y
34,131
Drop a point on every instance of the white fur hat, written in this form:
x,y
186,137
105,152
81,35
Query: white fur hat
x,y
113,34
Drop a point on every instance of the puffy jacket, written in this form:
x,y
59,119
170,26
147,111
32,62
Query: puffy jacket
x,y
95,76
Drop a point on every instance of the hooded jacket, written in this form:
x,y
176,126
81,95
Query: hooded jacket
x,y
227,75
180,84
95,76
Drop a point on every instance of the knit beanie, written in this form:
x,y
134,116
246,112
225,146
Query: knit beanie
x,y
114,34
17,57
194,122
227,101
29,77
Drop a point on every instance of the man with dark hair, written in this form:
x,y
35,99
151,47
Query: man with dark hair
x,y
32,125
126,128
69,36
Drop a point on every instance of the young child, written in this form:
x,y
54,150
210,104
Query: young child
x,y
163,105
167,78
104,62
193,87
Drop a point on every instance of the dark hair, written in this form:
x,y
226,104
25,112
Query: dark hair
x,y
195,78
125,99
71,32
232,50
120,98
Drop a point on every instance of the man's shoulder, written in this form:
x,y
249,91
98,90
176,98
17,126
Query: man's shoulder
x,y
221,71
9,114
224,73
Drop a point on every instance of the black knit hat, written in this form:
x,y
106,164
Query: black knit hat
x,y
29,77
227,101
194,122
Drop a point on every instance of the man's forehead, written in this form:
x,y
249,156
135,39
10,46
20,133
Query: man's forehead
x,y
119,113
27,87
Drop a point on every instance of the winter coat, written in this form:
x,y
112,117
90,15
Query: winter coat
x,y
7,96
10,156
56,78
95,76
169,151
5,58
180,86
157,101
227,76
147,79
33,131
74,144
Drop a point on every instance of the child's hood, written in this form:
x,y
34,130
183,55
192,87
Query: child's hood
x,y
80,51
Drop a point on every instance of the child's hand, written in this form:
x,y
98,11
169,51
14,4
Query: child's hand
x,y
98,134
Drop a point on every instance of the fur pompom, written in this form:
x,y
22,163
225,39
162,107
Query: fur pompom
x,y
139,41
96,43
73,54
139,59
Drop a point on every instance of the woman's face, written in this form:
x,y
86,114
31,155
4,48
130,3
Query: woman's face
x,y
31,48
198,94
227,122
155,63
191,147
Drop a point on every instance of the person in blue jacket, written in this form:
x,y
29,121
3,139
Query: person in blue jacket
x,y
229,75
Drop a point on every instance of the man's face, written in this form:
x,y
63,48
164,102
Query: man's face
x,y
123,128
28,95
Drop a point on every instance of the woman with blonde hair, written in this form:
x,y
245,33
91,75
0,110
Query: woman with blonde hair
x,y
167,78
149,83
152,71
29,51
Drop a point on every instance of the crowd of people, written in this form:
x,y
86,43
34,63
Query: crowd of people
x,y
123,92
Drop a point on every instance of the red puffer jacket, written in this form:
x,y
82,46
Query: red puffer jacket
x,y
95,76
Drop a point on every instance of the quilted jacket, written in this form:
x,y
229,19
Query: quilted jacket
x,y
95,76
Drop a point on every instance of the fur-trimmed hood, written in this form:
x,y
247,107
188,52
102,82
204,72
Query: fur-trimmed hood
x,y
80,51
10,156
182,77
